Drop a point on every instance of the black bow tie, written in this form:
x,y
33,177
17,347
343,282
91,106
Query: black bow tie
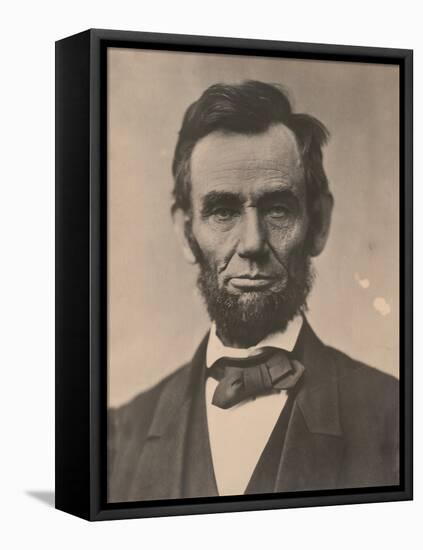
x,y
239,379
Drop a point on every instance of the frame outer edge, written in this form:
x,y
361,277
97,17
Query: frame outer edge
x,y
97,235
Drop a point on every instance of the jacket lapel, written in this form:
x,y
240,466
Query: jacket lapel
x,y
159,472
312,453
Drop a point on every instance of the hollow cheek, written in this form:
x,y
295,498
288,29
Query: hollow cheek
x,y
288,242
217,246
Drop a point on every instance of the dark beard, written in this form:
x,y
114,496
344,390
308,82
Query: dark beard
x,y
245,319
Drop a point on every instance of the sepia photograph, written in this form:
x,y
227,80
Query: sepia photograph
x,y
253,275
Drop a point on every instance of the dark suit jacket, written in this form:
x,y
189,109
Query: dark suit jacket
x,y
342,431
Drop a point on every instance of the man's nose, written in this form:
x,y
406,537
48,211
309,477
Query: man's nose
x,y
252,237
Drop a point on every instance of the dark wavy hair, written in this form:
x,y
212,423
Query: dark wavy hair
x,y
247,108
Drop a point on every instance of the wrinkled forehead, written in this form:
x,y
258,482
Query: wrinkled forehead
x,y
247,163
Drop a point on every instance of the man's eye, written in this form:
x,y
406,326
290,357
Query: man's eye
x,y
224,214
278,211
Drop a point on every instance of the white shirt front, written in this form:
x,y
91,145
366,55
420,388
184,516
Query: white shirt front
x,y
239,434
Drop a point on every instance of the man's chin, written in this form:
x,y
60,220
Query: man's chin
x,y
246,328
250,316
254,300
253,317
244,316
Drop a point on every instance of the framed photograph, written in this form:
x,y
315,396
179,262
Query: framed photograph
x,y
233,274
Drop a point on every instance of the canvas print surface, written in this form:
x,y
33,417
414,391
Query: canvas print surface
x,y
253,275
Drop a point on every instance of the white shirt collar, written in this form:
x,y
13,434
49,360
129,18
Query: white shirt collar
x,y
284,340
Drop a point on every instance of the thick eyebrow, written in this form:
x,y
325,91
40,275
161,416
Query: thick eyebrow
x,y
285,196
220,198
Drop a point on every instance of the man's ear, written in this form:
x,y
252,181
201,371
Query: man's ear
x,y
180,223
320,223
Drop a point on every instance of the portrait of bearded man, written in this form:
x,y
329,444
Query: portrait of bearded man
x,y
264,406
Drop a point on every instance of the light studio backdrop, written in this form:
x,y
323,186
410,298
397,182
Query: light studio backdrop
x,y
156,318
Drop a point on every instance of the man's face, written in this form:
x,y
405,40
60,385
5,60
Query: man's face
x,y
249,229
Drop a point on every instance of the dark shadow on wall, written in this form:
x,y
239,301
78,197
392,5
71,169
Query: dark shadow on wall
x,y
46,497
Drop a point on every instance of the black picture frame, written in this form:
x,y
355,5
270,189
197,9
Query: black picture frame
x,y
81,281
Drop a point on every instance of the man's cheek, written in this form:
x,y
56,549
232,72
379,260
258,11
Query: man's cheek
x,y
290,239
212,242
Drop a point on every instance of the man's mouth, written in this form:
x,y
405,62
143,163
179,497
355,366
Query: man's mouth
x,y
251,282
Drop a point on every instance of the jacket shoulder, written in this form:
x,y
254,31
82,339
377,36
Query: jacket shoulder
x,y
141,407
365,388
358,372
131,421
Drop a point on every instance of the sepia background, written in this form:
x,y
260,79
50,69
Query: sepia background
x,y
155,315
